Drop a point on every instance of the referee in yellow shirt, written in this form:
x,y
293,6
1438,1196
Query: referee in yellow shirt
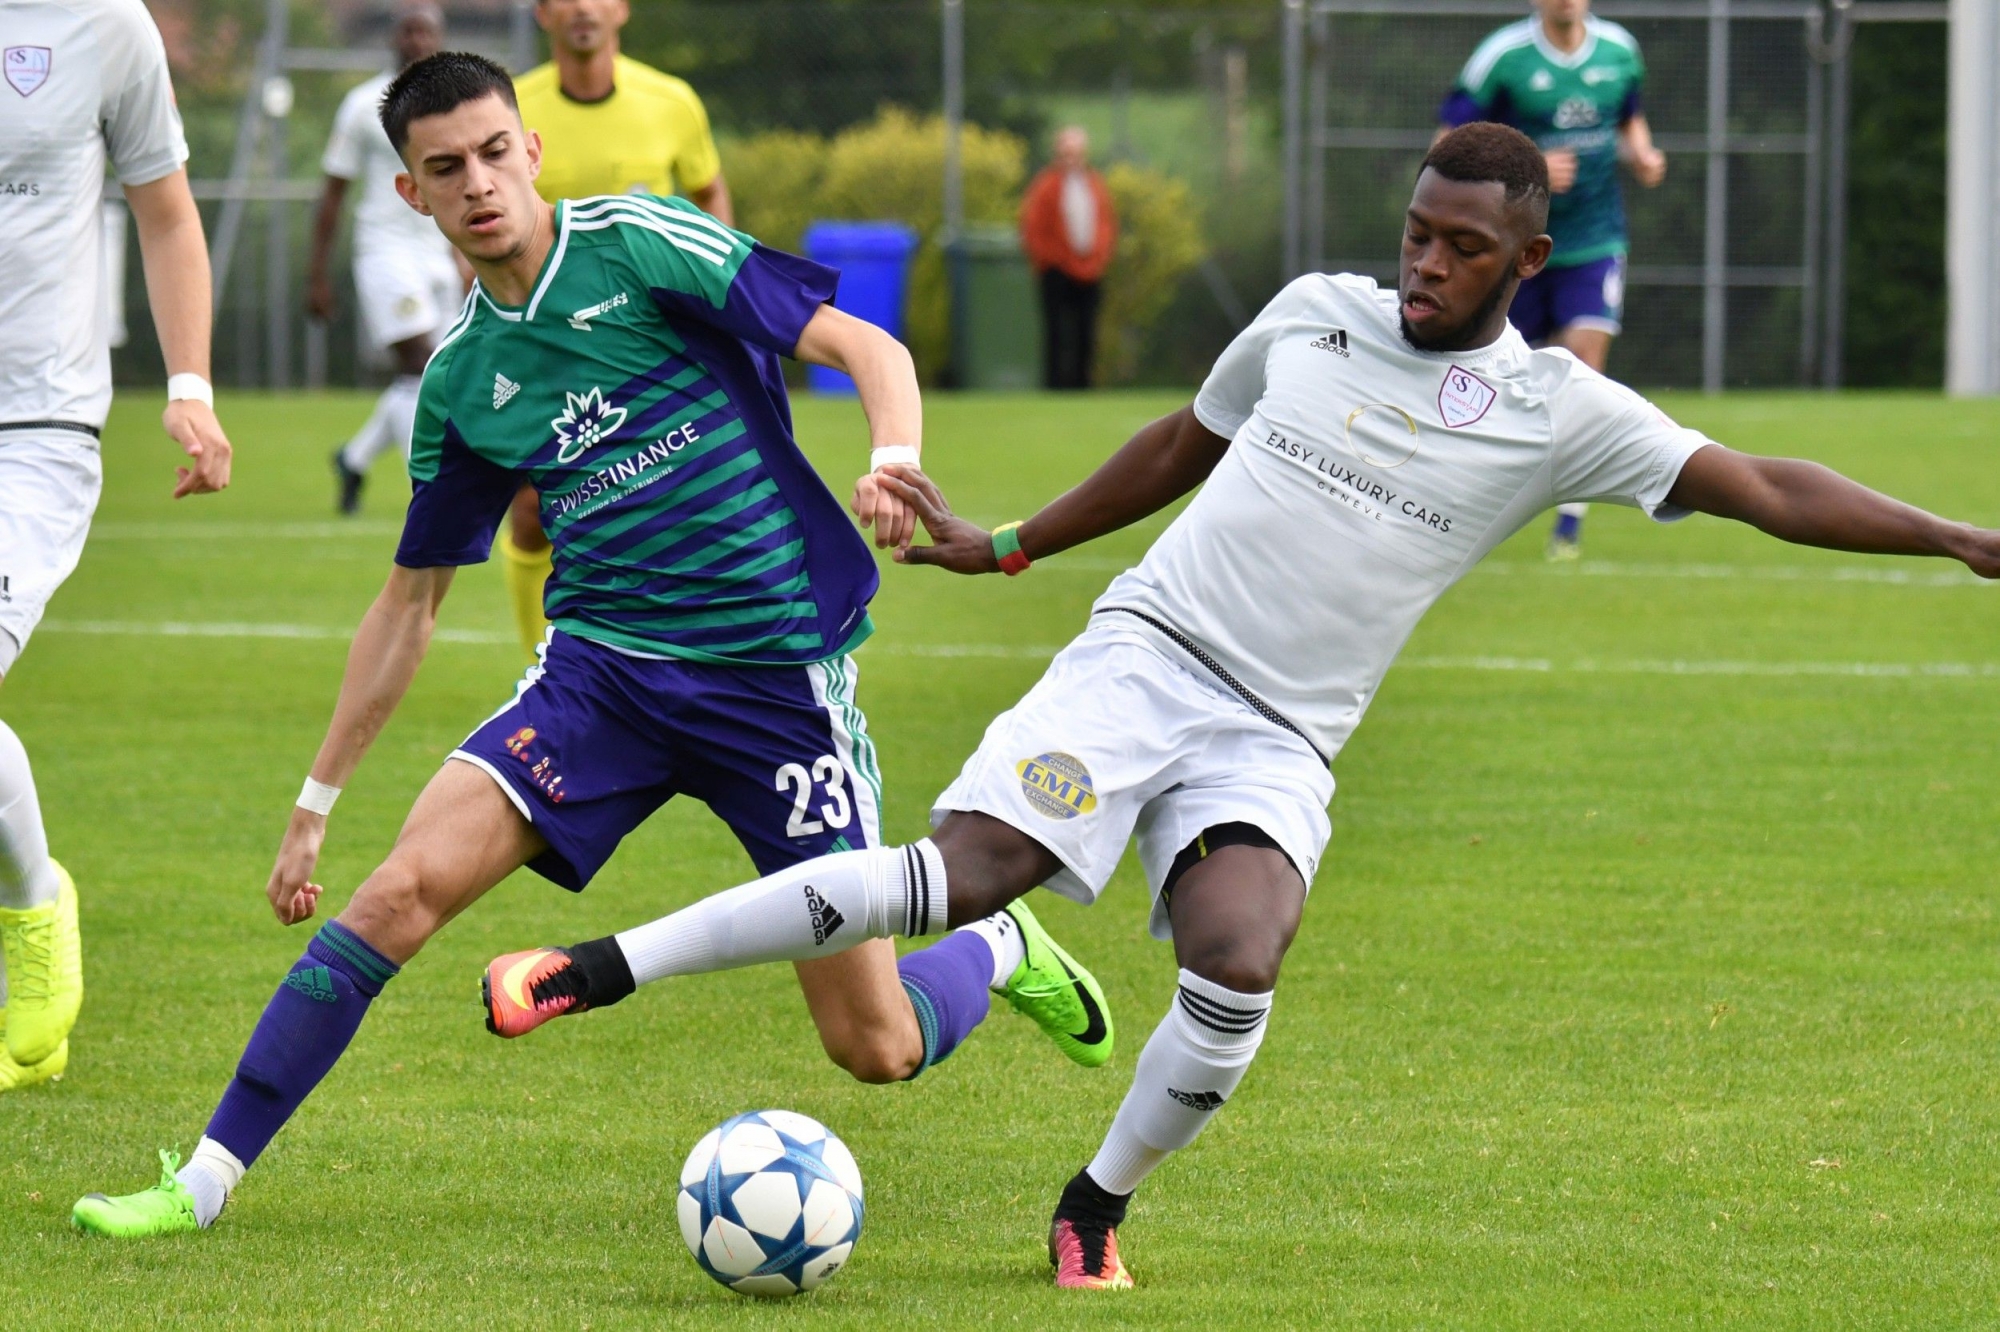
x,y
609,125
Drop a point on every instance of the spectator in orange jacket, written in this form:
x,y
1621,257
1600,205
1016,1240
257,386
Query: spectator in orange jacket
x,y
1068,229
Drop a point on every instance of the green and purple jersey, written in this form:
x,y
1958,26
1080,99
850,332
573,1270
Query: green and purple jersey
x,y
638,392
1574,101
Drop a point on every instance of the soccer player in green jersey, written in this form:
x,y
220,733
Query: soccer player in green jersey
x,y
1571,82
619,353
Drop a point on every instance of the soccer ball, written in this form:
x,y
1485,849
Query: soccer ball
x,y
770,1203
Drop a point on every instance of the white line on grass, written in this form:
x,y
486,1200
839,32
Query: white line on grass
x,y
1893,670
1892,575
233,629
115,531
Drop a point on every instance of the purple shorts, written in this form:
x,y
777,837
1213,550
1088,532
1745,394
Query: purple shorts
x,y
1588,295
594,741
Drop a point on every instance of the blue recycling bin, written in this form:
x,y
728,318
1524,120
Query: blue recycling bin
x,y
874,263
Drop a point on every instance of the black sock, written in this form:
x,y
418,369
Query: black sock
x,y
600,966
1089,1203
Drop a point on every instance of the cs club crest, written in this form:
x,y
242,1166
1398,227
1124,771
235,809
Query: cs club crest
x,y
27,68
589,421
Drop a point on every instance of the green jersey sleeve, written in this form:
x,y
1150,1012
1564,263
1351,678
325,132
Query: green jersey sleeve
x,y
695,267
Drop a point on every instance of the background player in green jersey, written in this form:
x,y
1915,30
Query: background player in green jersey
x,y
1571,82
619,354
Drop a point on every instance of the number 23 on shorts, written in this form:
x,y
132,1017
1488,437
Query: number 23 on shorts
x,y
795,780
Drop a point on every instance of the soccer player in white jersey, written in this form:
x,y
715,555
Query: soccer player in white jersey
x,y
406,282
87,83
1357,451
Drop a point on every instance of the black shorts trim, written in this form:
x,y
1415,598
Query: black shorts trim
x,y
77,427
1211,840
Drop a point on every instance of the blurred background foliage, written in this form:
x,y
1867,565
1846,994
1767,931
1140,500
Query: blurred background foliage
x,y
827,108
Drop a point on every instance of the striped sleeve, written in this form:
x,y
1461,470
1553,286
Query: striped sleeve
x,y
1480,76
697,268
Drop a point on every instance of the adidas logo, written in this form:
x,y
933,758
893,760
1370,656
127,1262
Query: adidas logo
x,y
504,390
315,983
1335,342
825,920
1205,1102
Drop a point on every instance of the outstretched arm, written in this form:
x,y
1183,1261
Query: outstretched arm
x,y
1157,466
177,287
886,379
1810,505
388,648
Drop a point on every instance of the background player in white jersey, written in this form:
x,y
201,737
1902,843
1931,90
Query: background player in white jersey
x,y
87,82
1358,450
406,282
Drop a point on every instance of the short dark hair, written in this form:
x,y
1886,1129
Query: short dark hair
x,y
440,83
1488,151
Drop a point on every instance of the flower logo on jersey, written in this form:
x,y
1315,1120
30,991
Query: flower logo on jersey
x,y
27,67
589,421
1576,113
1464,397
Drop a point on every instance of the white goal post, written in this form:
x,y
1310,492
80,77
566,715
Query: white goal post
x,y
1972,244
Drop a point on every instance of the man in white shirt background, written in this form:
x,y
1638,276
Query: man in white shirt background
x,y
406,282
1357,451
87,86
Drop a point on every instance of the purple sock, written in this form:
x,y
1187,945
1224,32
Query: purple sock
x,y
947,984
305,1028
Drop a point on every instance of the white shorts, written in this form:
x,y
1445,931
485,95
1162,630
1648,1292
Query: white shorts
x,y
405,293
49,484
1120,736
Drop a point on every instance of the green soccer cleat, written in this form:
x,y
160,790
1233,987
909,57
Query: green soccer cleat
x,y
165,1209
1063,999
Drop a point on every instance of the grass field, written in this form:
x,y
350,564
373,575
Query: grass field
x,y
1650,980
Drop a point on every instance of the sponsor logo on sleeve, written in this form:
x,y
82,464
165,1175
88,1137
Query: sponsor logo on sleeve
x,y
27,67
1464,397
1057,785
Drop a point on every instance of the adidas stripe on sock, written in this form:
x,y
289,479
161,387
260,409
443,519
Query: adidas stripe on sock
x,y
1188,1070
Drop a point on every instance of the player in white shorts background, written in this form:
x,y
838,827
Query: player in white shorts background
x,y
407,284
87,84
1357,451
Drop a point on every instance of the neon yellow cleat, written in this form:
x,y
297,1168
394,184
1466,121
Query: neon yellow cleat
x,y
13,1077
165,1209
44,974
1059,994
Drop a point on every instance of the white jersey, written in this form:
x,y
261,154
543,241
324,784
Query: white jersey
x,y
1363,479
87,81
359,149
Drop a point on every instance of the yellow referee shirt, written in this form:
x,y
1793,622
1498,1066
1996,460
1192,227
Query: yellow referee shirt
x,y
650,134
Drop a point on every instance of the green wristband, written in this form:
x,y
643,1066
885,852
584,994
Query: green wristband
x,y
1007,549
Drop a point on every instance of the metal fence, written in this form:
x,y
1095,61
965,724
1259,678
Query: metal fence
x,y
1737,271
1296,124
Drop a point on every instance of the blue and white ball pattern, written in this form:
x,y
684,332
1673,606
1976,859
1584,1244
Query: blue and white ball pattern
x,y
770,1203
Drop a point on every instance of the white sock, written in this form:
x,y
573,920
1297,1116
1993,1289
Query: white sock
x,y
394,417
211,1175
1189,1068
400,400
27,875
1003,936
821,907
1572,510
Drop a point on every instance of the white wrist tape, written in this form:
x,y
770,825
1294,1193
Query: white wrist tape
x,y
190,386
899,455
318,797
